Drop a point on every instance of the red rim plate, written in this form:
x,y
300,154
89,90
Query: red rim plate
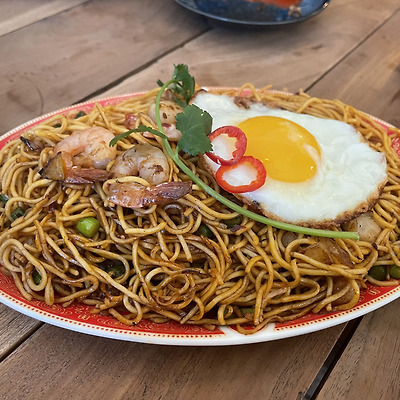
x,y
79,318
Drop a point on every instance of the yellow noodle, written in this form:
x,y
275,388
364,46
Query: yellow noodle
x,y
247,276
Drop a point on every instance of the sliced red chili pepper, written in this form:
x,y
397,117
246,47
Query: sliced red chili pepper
x,y
240,144
255,163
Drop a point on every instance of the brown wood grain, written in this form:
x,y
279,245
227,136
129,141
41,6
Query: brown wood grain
x,y
369,78
289,57
63,362
59,60
15,14
15,327
369,367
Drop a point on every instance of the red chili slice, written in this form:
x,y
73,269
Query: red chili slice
x,y
255,163
240,144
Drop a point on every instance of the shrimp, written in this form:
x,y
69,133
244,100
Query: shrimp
x,y
168,111
150,164
81,157
145,160
135,195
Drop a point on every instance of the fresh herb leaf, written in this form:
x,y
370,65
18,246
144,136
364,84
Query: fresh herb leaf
x,y
195,125
140,128
187,84
182,84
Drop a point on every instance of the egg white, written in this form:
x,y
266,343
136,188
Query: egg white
x,y
349,178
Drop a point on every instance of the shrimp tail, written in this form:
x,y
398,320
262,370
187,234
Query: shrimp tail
x,y
135,195
57,170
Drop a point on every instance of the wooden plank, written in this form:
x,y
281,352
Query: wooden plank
x,y
289,57
369,367
369,79
62,59
124,370
15,14
15,328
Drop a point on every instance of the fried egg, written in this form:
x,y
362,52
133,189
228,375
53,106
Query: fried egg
x,y
320,172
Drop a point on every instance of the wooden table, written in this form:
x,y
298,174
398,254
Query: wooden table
x,y
55,53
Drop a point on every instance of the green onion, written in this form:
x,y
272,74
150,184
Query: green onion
x,y
80,114
88,226
18,212
247,310
3,198
394,271
378,272
204,230
36,277
115,268
234,221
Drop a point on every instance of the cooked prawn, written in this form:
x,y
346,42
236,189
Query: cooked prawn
x,y
143,160
81,157
168,112
151,164
135,195
88,148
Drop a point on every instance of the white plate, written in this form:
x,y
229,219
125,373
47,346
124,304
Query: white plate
x,y
78,317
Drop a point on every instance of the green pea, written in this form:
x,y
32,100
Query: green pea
x,y
36,277
394,271
378,272
234,221
204,230
18,212
88,226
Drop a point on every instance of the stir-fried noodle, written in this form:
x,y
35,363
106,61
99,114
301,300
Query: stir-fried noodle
x,y
153,262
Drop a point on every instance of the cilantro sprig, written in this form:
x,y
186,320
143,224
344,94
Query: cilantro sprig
x,y
195,125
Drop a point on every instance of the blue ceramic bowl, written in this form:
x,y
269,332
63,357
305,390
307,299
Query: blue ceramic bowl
x,y
262,12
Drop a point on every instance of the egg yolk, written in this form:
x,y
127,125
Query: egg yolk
x,y
288,151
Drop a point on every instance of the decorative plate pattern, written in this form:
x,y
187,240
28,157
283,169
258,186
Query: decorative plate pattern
x,y
79,318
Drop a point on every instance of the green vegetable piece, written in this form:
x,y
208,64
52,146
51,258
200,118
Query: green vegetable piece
x,y
115,268
378,272
234,221
394,271
182,84
195,125
247,310
88,226
140,128
80,114
36,277
18,212
3,198
204,230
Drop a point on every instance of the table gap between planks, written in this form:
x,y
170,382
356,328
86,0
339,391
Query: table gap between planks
x,y
53,54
